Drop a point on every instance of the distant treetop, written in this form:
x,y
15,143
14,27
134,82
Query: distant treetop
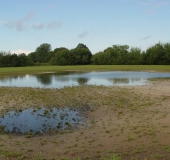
x,y
81,45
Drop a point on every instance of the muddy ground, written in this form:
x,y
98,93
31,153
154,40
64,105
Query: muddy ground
x,y
133,122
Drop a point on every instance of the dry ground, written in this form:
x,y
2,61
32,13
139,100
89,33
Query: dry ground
x,y
133,122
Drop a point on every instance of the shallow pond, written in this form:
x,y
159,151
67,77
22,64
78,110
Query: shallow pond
x,y
64,79
40,120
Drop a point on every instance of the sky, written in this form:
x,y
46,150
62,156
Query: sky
x,y
99,24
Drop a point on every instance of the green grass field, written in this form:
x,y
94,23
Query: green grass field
x,y
37,69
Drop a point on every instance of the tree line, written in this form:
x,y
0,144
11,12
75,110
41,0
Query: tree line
x,y
158,54
14,60
80,55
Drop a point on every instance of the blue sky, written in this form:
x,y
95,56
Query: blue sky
x,y
24,25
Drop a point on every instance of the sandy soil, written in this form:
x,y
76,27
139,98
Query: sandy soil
x,y
133,122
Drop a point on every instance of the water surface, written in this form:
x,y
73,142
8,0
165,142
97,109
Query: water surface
x,y
65,79
39,120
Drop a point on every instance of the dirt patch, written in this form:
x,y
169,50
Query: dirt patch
x,y
130,121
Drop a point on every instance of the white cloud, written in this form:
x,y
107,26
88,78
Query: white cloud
x,y
154,4
26,22
38,26
83,34
54,24
19,51
147,37
21,23
53,5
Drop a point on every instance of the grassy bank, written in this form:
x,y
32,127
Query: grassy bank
x,y
37,69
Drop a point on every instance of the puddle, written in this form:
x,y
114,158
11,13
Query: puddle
x,y
40,120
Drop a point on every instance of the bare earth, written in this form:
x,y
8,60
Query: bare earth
x,y
133,122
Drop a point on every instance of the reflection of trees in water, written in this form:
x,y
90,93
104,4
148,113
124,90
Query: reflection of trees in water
x,y
136,79
120,80
124,80
62,78
62,73
66,78
69,76
79,80
82,81
45,79
5,78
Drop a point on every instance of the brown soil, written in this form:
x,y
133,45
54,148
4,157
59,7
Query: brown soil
x,y
129,121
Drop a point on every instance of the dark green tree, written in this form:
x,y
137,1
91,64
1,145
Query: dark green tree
x,y
22,60
5,60
117,54
33,56
81,45
81,55
156,55
167,53
13,60
42,53
134,56
61,57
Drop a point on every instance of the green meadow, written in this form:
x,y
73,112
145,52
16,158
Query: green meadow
x,y
37,69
